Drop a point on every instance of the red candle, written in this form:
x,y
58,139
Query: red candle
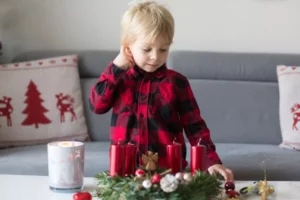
x,y
174,157
117,158
130,159
198,157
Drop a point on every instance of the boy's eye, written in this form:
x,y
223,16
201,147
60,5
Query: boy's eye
x,y
163,50
147,50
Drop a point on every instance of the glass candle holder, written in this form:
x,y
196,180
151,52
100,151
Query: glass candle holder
x,y
66,166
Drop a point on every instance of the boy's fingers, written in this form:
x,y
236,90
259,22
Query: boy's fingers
x,y
211,171
122,50
125,51
224,174
230,174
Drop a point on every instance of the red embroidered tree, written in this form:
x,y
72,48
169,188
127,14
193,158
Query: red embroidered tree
x,y
34,110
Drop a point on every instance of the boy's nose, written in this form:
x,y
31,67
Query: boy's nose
x,y
154,56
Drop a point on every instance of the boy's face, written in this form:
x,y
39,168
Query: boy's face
x,y
149,56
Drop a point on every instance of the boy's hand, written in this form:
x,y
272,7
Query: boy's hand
x,y
225,172
125,59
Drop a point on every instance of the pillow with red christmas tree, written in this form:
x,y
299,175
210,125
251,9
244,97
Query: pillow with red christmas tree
x,y
41,101
289,97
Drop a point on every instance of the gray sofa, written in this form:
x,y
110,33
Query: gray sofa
x,y
237,94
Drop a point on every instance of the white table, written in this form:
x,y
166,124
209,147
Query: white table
x,y
19,187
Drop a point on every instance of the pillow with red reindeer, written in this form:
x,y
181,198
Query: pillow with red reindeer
x,y
289,103
40,102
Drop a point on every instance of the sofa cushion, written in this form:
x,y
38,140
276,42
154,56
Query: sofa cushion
x,y
289,89
40,101
230,65
244,159
99,125
239,111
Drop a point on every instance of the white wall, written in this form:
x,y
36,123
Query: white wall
x,y
209,25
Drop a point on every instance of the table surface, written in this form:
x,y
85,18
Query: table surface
x,y
22,187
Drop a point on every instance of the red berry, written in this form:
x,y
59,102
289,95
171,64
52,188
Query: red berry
x,y
139,172
229,186
156,178
82,196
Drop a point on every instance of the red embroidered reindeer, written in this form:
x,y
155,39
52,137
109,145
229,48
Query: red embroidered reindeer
x,y
6,110
64,105
296,115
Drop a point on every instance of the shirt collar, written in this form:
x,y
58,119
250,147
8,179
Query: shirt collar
x,y
138,72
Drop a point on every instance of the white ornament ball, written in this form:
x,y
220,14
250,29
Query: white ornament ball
x,y
179,176
187,176
147,184
169,183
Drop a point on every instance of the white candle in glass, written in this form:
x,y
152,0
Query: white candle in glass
x,y
66,165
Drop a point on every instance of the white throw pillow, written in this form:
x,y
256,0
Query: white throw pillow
x,y
40,101
289,92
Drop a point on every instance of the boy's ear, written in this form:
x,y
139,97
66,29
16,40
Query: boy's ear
x,y
127,49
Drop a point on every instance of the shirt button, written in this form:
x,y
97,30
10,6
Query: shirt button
x,y
141,115
144,97
136,132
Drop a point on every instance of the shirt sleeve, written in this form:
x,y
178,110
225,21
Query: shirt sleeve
x,y
102,94
194,125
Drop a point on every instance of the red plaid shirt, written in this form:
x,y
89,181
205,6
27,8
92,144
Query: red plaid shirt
x,y
151,109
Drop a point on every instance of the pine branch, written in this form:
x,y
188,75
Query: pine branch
x,y
202,187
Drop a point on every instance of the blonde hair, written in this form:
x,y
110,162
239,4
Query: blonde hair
x,y
149,19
